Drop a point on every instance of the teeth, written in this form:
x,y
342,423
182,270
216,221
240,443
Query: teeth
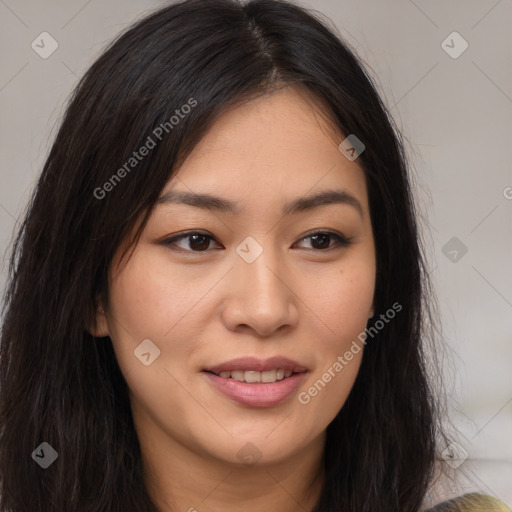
x,y
238,375
253,377
269,376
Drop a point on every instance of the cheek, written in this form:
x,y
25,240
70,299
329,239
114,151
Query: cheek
x,y
146,303
149,298
341,307
343,300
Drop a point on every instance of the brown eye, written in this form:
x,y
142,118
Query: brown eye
x,y
320,240
197,242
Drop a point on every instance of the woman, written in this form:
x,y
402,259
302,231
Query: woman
x,y
217,297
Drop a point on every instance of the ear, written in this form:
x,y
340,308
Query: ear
x,y
100,328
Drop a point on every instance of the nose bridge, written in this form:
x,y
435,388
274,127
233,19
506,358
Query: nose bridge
x,y
258,266
260,289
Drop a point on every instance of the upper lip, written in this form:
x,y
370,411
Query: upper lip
x,y
259,365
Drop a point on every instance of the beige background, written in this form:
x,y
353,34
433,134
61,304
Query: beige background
x,y
456,114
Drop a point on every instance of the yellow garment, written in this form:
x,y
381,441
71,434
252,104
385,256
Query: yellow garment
x,y
472,502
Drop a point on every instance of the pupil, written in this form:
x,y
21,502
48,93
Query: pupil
x,y
315,237
202,246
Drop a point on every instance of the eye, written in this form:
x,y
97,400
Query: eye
x,y
196,241
322,238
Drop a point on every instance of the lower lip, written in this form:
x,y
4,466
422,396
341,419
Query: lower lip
x,y
257,395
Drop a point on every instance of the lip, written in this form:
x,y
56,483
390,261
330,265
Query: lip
x,y
258,365
257,395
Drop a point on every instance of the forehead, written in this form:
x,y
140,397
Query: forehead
x,y
282,144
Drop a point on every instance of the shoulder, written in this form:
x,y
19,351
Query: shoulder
x,y
472,502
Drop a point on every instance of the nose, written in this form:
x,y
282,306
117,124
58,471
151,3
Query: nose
x,y
260,296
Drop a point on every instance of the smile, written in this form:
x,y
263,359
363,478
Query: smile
x,y
255,377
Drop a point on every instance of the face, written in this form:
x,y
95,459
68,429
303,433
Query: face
x,y
248,311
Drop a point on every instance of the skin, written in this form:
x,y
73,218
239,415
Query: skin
x,y
297,299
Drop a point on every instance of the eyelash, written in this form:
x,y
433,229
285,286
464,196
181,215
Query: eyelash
x,y
341,240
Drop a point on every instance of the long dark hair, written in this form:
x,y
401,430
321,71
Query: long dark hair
x,y
61,385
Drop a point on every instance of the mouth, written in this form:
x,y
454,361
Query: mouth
x,y
257,383
256,377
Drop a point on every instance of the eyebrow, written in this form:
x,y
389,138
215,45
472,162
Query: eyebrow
x,y
301,204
